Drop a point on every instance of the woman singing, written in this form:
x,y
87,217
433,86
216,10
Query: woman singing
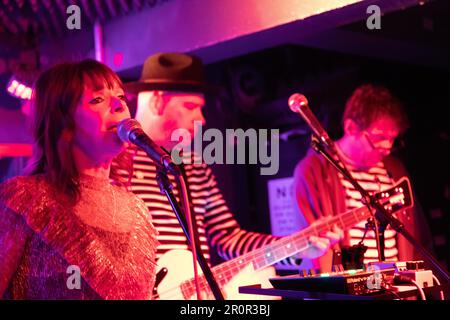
x,y
66,232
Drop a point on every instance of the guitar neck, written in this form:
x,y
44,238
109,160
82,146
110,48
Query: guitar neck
x,y
279,249
290,245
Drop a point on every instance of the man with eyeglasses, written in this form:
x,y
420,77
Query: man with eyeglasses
x,y
373,119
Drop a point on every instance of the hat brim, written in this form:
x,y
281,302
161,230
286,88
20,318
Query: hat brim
x,y
138,86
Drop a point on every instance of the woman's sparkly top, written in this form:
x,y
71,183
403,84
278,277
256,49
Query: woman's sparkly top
x,y
101,248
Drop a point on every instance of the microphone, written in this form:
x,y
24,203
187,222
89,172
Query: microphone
x,y
130,130
299,104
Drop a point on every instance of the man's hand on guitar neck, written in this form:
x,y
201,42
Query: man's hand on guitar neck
x,y
320,245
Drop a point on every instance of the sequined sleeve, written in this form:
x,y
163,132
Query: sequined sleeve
x,y
14,232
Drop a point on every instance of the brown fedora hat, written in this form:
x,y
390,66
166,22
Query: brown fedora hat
x,y
172,72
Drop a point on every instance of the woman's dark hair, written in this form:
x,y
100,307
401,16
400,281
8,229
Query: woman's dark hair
x,y
370,102
55,97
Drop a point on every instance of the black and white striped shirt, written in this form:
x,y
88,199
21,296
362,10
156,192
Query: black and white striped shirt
x,y
215,222
373,180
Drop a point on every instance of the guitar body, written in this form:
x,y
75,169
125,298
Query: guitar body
x,y
179,265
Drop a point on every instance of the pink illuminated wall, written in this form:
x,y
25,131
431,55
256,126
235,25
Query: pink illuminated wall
x,y
189,26
213,29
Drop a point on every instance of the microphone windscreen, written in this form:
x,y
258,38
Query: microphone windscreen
x,y
125,127
296,101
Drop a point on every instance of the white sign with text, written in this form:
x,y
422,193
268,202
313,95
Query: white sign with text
x,y
285,218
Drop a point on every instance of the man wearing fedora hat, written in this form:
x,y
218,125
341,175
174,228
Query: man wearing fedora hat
x,y
170,95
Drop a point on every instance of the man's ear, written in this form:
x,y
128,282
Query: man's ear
x,y
350,127
157,103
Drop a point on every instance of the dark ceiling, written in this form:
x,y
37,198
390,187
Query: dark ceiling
x,y
24,20
426,24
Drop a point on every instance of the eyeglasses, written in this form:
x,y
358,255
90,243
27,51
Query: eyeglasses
x,y
383,143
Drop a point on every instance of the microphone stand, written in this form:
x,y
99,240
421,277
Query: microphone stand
x,y
384,216
166,188
381,228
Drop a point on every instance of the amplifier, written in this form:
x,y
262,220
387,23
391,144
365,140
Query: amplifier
x,y
354,282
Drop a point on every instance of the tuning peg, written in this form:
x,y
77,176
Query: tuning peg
x,y
338,268
303,273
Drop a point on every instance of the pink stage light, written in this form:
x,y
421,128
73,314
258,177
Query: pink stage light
x,y
18,89
12,86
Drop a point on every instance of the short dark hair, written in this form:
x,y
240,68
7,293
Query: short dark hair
x,y
370,102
